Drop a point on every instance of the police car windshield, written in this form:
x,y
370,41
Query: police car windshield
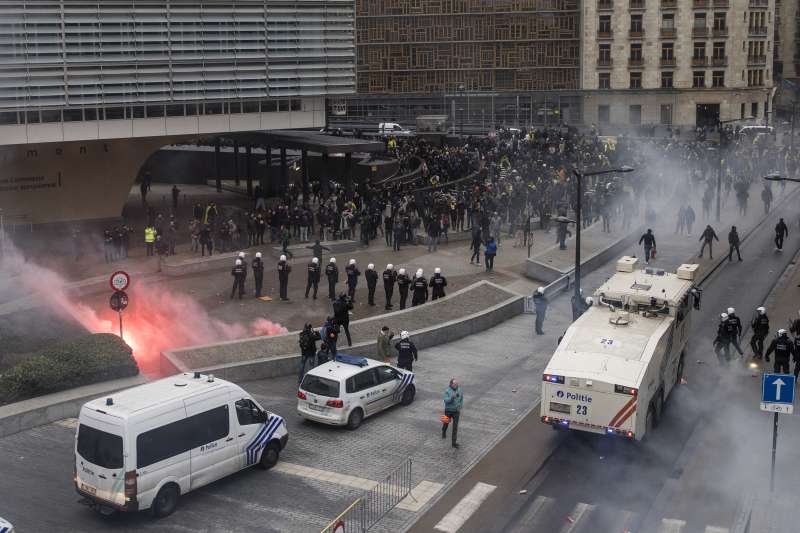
x,y
321,386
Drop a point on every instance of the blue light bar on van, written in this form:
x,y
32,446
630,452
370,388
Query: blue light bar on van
x,y
553,378
352,359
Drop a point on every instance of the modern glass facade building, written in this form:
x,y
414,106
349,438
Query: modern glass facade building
x,y
72,60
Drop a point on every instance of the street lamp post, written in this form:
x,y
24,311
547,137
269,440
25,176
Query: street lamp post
x,y
579,188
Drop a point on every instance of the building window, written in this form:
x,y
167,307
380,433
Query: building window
x,y
668,21
604,25
635,114
603,114
666,114
719,50
699,51
754,110
605,54
636,80
604,80
699,78
718,78
700,20
741,111
668,51
636,24
719,21
636,51
666,80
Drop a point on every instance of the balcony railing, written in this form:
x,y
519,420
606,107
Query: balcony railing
x,y
719,33
756,60
669,4
605,62
635,62
636,34
667,33
605,5
605,34
700,32
719,61
668,62
757,31
699,61
700,4
721,4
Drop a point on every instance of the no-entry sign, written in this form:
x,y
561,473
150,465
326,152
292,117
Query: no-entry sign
x,y
119,280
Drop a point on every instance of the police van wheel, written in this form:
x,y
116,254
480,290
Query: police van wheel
x,y
355,419
408,395
270,456
166,501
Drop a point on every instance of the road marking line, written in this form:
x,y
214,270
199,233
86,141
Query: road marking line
x,y
529,520
717,529
671,525
579,514
465,508
419,496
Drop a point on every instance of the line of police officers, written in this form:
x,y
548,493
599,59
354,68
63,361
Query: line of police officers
x,y
729,332
418,285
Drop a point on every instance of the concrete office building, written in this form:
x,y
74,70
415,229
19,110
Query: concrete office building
x,y
787,39
88,90
676,62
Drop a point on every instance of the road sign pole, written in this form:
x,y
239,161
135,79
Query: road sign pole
x,y
774,448
123,338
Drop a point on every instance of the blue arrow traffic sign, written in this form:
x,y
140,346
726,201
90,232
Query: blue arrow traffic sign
x,y
777,393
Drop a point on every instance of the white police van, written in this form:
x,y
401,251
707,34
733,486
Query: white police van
x,y
345,391
5,526
143,447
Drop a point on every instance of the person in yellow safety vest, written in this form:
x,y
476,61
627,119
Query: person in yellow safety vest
x,y
149,239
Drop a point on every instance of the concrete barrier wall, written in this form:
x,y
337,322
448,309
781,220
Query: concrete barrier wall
x,y
286,365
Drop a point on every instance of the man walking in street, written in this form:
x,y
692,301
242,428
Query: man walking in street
x,y
734,327
308,349
341,313
760,327
781,231
475,246
316,250
332,273
453,401
784,351
708,237
540,303
722,343
352,272
389,279
313,276
406,352
384,345
437,284
649,241
733,242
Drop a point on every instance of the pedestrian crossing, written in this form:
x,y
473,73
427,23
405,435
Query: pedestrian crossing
x,y
544,514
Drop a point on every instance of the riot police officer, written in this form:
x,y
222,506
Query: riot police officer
x,y
238,272
406,352
437,284
313,276
258,273
722,343
352,272
332,273
784,351
389,279
420,295
372,281
760,326
283,277
734,329
403,281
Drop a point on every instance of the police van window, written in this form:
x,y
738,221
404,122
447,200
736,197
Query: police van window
x,y
387,374
100,448
321,386
248,413
181,436
364,380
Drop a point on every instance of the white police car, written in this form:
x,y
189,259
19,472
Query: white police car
x,y
345,391
6,527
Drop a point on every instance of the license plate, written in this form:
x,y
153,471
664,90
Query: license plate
x,y
88,488
315,407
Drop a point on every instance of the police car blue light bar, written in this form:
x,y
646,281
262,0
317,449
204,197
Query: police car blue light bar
x,y
553,378
351,359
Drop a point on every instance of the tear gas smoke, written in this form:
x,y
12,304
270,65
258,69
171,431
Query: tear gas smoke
x,y
155,320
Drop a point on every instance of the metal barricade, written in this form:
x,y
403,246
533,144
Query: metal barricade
x,y
375,503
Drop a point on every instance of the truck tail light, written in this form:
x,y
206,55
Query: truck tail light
x,y
130,485
553,378
301,395
625,390
335,403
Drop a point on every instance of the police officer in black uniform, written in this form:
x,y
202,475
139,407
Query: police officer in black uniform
x,y
760,326
406,352
389,279
352,272
372,281
437,284
403,281
258,273
313,276
784,351
283,277
238,272
722,343
332,273
420,295
734,329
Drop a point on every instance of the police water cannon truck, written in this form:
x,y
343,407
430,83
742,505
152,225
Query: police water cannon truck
x,y
617,364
